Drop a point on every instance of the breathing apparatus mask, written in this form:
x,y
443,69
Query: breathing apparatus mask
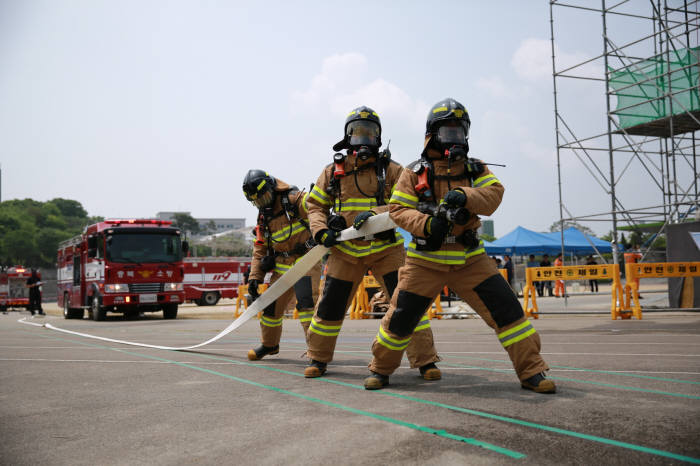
x,y
259,188
452,139
364,137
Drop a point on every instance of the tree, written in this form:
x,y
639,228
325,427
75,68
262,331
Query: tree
x,y
211,227
556,226
186,222
31,230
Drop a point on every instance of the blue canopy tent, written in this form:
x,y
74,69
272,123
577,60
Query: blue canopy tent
x,y
522,241
577,242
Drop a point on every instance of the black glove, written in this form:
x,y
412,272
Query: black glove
x,y
456,198
475,168
361,219
267,263
436,229
327,237
253,289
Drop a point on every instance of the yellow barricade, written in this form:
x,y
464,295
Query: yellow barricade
x,y
574,272
634,271
435,312
360,302
241,302
359,308
504,273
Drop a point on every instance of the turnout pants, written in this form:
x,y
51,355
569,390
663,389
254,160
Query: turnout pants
x,y
559,288
306,292
342,279
479,284
35,302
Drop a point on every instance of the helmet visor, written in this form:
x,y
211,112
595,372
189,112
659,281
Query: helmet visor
x,y
363,133
258,191
263,200
452,134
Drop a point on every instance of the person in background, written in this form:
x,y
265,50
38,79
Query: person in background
x,y
531,262
34,285
593,283
508,265
559,290
545,262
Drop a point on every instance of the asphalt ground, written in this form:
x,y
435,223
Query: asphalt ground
x,y
628,393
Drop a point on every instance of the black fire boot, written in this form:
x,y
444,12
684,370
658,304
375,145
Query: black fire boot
x,y
539,384
315,369
261,351
430,372
376,381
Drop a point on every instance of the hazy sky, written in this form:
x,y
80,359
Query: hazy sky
x,y
135,107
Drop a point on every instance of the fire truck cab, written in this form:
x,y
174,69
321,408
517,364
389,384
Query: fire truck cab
x,y
125,266
13,290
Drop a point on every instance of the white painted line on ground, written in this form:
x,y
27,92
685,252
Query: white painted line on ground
x,y
112,361
578,354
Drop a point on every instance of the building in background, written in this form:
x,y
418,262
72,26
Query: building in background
x,y
208,225
486,228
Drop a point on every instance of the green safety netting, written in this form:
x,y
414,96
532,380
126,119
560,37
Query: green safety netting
x,y
641,89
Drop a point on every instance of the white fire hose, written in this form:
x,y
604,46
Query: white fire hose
x,y
373,225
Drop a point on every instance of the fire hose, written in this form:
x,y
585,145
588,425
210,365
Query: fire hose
x,y
373,225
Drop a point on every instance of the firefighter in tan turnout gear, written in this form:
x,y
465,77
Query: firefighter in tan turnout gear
x,y
438,199
356,186
282,237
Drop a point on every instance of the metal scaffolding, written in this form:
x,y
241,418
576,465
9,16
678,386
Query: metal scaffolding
x,y
663,149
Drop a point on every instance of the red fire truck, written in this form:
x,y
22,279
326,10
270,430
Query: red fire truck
x,y
208,279
125,266
13,290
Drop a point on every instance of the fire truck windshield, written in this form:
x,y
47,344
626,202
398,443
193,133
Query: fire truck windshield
x,y
139,247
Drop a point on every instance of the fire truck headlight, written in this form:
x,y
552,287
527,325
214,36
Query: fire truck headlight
x,y
172,287
116,288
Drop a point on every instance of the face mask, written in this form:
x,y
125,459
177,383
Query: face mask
x,y
364,153
449,136
456,152
263,200
363,133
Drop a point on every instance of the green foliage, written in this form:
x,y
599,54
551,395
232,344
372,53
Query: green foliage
x,y
556,226
487,237
231,245
639,238
31,230
186,222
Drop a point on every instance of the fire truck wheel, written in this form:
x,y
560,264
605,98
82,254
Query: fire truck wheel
x,y
210,298
169,311
69,313
98,312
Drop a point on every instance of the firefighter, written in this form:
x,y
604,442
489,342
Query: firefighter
x,y
438,199
356,186
282,238
34,285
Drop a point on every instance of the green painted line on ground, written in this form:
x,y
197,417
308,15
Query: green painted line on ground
x,y
623,387
581,369
589,382
570,433
429,430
